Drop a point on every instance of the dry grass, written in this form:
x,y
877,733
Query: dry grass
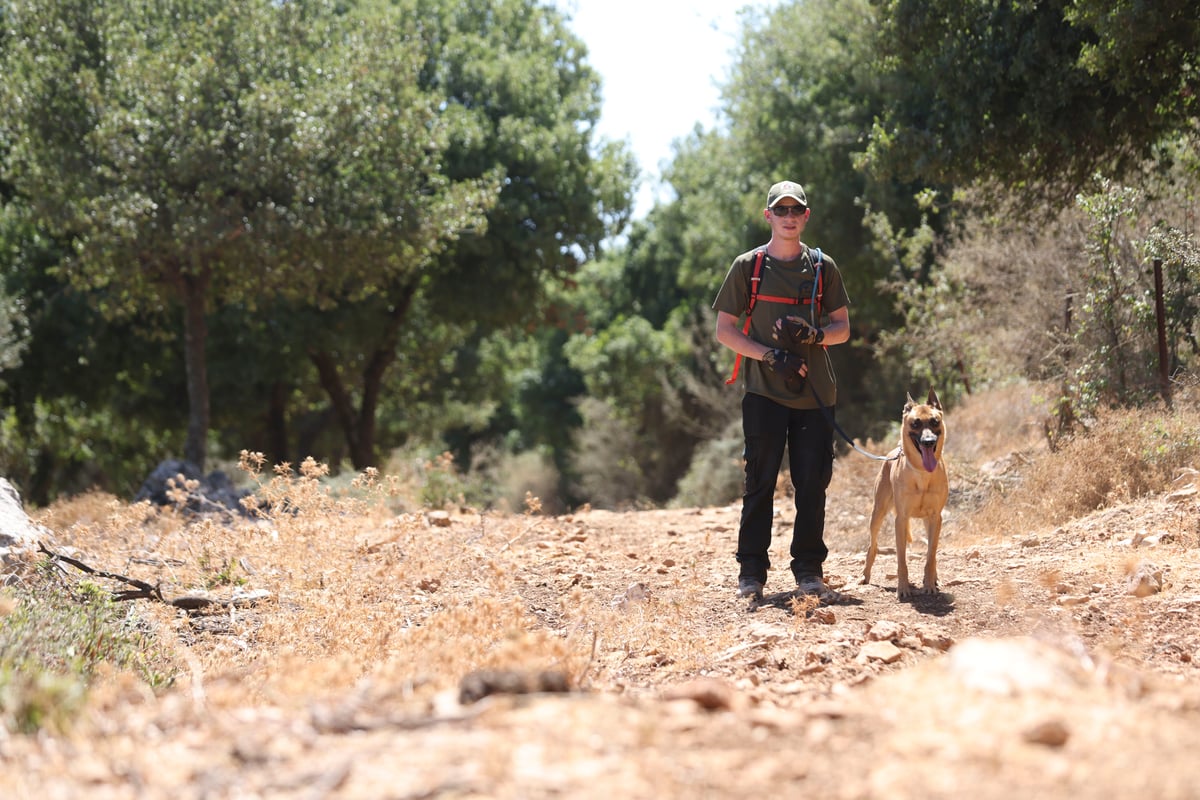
x,y
391,609
1123,455
359,596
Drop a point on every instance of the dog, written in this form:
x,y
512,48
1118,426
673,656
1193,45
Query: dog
x,y
913,485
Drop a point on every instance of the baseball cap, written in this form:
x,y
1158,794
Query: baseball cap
x,y
787,189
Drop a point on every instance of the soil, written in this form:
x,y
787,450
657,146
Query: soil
x,y
1058,663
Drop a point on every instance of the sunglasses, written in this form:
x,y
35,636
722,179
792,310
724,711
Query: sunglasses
x,y
783,211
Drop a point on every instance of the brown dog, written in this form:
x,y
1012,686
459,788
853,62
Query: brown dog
x,y
913,484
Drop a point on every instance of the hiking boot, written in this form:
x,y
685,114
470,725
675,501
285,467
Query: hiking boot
x,y
815,585
750,587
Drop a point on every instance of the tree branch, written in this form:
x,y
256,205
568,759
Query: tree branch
x,y
143,589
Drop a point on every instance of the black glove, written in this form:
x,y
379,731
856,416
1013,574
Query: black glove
x,y
781,362
791,332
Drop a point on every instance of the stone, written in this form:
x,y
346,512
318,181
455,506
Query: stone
x,y
212,492
18,533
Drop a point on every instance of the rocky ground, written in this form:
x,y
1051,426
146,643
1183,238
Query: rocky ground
x,y
1057,663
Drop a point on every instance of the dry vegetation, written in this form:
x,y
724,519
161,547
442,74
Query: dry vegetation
x,y
352,648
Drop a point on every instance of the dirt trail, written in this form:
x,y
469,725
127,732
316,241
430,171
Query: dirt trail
x,y
1040,671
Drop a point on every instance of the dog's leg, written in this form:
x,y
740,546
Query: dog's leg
x,y
933,531
903,587
883,502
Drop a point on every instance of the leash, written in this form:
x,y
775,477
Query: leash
x,y
833,422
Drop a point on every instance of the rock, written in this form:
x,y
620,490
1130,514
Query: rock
x,y
886,652
936,640
711,694
1145,580
767,632
636,593
18,534
1051,733
214,492
438,519
885,630
823,615
479,684
1013,667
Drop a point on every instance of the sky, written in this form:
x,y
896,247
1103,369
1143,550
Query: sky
x,y
660,62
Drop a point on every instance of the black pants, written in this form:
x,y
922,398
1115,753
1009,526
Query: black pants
x,y
808,437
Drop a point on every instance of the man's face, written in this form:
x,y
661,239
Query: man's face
x,y
787,218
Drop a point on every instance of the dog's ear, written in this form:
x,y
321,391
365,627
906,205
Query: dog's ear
x,y
933,399
909,403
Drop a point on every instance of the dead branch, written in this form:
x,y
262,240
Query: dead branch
x,y
141,590
145,591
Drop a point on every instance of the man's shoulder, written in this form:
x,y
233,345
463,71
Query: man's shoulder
x,y
744,262
821,254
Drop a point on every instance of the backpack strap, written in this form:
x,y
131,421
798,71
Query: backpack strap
x,y
756,280
818,282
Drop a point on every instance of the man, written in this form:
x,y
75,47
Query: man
x,y
800,308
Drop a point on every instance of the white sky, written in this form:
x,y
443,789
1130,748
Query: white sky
x,y
660,61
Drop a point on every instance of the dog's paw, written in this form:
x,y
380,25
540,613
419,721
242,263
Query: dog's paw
x,y
904,591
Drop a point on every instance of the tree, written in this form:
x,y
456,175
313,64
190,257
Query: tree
x,y
801,102
519,105
1035,95
204,153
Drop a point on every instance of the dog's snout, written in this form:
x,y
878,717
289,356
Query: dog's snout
x,y
928,437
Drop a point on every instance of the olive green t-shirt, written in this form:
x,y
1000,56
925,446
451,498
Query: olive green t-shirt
x,y
794,280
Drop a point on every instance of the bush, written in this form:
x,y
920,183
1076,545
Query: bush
x,y
1123,455
54,638
716,476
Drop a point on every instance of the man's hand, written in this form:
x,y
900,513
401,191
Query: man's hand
x,y
789,365
791,332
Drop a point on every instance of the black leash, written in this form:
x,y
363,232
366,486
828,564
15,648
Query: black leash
x,y
830,419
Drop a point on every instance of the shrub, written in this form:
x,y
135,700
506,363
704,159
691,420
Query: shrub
x,y
54,638
1124,454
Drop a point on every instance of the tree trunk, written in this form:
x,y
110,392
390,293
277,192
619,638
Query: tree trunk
x,y
359,426
343,407
195,337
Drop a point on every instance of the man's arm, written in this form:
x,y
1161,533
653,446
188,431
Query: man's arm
x,y
730,335
838,329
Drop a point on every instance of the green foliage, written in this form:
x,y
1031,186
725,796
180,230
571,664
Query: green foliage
x,y
442,484
59,446
11,342
1180,257
716,475
388,219
608,469
303,171
1116,305
801,102
623,362
223,575
1117,324
203,153
798,102
91,401
521,100
931,308
54,639
1034,95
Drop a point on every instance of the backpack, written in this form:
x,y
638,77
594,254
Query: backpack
x,y
756,278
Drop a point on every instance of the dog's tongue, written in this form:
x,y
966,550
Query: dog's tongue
x,y
928,458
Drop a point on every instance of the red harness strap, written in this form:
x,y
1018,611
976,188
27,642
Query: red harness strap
x,y
756,279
